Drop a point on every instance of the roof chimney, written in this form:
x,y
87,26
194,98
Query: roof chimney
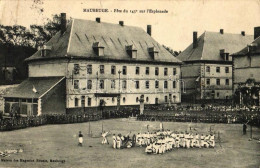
x,y
221,31
195,40
149,30
243,33
121,23
98,19
256,32
63,22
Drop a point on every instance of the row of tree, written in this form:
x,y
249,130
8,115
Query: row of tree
x,y
18,43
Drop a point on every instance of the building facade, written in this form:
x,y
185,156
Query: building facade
x,y
108,65
207,69
247,73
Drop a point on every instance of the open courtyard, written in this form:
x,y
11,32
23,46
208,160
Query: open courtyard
x,y
42,144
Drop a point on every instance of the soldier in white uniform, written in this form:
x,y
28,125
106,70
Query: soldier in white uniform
x,y
212,140
202,140
206,144
114,141
104,141
118,141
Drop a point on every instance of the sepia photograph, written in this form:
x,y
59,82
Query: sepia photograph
x,y
128,83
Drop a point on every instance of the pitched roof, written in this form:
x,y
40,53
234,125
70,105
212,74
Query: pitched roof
x,y
25,89
210,44
80,35
244,51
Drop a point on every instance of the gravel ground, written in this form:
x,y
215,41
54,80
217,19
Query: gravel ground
x,y
59,143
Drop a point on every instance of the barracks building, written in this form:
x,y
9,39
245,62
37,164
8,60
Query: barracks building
x,y
247,72
90,64
207,69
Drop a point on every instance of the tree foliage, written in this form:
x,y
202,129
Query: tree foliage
x,y
174,53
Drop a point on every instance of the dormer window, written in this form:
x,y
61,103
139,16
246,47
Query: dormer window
x,y
45,50
252,47
224,55
154,53
98,48
131,51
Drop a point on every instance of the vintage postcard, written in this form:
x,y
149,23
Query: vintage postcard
x,y
109,83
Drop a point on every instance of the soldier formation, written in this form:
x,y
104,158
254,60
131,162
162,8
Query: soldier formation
x,y
163,141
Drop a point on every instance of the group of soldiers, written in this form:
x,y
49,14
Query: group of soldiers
x,y
121,141
163,141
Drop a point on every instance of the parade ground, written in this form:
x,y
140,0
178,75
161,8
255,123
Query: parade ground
x,y
57,146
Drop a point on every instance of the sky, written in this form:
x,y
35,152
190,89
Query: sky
x,y
173,29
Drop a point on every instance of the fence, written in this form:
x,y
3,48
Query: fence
x,y
9,124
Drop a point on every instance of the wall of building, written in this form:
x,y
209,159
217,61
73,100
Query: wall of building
x,y
246,67
221,91
47,68
130,93
54,102
200,89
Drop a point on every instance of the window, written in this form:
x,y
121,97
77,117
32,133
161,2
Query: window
x,y
124,70
156,84
137,70
227,81
102,69
76,84
101,84
76,68
137,99
218,69
89,69
89,84
147,70
166,99
113,99
147,84
156,101
83,101
76,102
208,69
218,81
124,99
174,71
208,81
137,84
113,84
89,101
113,70
217,94
174,84
174,98
165,71
147,99
227,69
165,84
124,84
156,71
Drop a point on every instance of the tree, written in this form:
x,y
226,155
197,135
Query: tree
x,y
174,53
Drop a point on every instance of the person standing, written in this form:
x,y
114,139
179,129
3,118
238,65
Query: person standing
x,y
80,138
114,141
105,141
244,128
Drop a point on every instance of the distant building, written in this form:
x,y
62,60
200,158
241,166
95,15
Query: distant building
x,y
247,72
207,69
89,64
